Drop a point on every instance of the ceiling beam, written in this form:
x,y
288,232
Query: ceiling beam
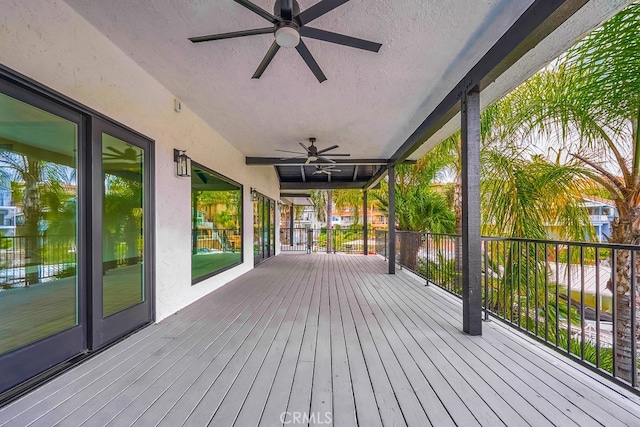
x,y
276,161
376,178
287,195
537,22
323,185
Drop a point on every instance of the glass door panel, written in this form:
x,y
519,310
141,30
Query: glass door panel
x,y
41,310
122,298
38,225
122,225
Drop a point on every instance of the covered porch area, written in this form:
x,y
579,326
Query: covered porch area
x,y
325,339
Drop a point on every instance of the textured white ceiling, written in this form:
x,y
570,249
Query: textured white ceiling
x,y
370,103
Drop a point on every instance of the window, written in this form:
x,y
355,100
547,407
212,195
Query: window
x,y
216,223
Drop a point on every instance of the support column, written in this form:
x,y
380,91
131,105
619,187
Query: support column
x,y
365,223
291,214
329,215
392,219
471,242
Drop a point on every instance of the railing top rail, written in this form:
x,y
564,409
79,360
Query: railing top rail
x,y
616,246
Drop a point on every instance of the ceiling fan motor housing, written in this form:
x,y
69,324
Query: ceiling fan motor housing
x,y
287,34
277,8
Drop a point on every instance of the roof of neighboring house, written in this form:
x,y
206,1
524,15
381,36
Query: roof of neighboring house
x,y
598,201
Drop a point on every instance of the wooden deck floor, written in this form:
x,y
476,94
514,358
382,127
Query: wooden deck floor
x,y
334,338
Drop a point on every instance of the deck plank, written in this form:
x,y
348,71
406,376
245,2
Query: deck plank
x,y
584,402
316,333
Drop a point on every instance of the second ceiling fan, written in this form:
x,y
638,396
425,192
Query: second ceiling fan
x,y
312,154
289,24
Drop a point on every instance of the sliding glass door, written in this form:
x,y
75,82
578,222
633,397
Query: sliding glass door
x,y
75,233
121,299
42,254
263,227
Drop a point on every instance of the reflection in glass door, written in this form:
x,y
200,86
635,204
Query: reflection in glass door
x,y
122,225
263,228
121,298
41,309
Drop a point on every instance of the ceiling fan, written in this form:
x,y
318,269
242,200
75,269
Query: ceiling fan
x,y
312,154
128,154
325,169
289,24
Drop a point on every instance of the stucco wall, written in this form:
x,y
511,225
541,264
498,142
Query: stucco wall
x,y
49,42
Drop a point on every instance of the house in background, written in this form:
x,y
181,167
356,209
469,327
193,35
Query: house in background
x,y
601,213
8,214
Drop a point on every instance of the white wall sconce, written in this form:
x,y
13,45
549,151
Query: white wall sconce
x,y
183,163
254,194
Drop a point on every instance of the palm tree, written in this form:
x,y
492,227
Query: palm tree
x,y
344,199
419,208
589,100
39,177
319,200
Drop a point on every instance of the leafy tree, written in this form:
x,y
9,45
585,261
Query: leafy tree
x,y
345,199
39,177
589,101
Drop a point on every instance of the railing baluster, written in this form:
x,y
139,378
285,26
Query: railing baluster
x,y
546,292
526,284
518,294
557,294
614,292
597,304
582,333
634,309
569,299
535,285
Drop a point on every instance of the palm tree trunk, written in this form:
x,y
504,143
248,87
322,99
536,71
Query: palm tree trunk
x,y
457,207
410,242
622,232
32,215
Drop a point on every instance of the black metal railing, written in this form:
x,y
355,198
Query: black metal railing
x,y
345,240
558,292
26,260
218,239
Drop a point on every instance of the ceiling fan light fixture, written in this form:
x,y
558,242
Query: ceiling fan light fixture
x,y
287,37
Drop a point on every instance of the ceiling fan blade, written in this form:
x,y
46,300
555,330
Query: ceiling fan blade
x,y
233,34
311,63
317,10
294,160
325,159
324,150
115,150
294,152
332,37
304,146
286,9
308,161
259,11
266,60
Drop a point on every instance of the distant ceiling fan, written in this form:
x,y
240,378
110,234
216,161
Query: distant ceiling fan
x,y
312,154
128,154
325,169
288,25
